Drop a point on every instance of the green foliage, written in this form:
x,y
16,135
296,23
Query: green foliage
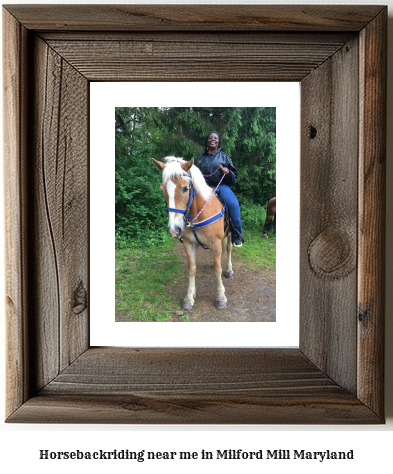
x,y
140,216
143,133
253,215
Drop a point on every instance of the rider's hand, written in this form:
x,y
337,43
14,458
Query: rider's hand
x,y
224,170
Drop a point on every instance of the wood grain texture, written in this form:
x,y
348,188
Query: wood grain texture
x,y
201,37
14,71
329,193
197,18
193,386
336,375
372,198
60,138
187,59
194,409
187,371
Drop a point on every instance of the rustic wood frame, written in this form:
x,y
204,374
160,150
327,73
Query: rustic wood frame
x,y
338,54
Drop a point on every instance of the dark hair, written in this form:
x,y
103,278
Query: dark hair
x,y
219,139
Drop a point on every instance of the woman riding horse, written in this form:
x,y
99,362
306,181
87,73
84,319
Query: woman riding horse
x,y
212,163
195,213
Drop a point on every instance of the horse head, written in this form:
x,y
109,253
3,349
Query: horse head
x,y
176,183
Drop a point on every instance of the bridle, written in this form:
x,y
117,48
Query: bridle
x,y
187,217
186,212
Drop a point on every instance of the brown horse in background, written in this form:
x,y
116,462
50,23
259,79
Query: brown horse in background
x,y
270,217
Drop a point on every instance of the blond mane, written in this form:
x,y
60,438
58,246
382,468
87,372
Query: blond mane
x,y
174,170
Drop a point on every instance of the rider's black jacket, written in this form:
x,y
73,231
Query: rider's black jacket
x,y
209,163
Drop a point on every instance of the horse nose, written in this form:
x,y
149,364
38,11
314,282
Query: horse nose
x,y
171,231
175,232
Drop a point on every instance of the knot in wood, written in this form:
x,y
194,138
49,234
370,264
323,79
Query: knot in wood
x,y
313,132
363,315
80,299
331,255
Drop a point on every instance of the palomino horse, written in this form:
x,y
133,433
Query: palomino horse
x,y
196,214
270,213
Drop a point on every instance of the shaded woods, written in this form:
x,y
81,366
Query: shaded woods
x,y
248,136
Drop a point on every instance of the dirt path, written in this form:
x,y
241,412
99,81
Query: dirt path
x,y
251,294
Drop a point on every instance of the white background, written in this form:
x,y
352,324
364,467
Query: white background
x,y
19,444
104,97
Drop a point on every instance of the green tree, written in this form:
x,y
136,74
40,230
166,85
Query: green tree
x,y
140,205
248,136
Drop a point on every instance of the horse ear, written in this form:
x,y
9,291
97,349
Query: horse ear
x,y
159,164
186,166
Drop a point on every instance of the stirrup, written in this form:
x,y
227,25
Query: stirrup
x,y
235,231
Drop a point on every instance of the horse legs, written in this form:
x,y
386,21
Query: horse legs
x,y
267,226
227,246
189,299
221,301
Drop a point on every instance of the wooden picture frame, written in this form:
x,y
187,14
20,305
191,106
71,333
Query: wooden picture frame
x,y
338,54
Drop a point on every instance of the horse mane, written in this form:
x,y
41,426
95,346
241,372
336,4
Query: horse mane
x,y
174,170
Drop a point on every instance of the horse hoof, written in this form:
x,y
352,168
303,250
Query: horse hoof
x,y
229,274
187,306
220,304
265,235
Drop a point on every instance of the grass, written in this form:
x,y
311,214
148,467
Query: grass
x,y
258,251
142,274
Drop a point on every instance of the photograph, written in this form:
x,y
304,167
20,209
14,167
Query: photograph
x,y
195,219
